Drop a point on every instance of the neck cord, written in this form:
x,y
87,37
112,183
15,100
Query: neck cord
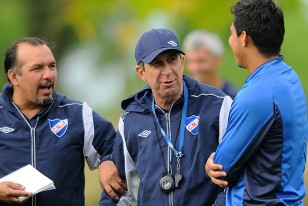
x,y
160,147
178,153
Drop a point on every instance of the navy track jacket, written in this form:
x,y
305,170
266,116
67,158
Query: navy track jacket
x,y
264,148
140,149
55,141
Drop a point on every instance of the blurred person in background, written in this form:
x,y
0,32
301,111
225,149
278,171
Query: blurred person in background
x,y
262,156
204,55
46,129
168,129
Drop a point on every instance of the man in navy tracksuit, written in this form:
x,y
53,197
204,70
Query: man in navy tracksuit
x,y
43,128
263,152
168,130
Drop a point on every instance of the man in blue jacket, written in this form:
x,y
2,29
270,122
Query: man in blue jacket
x,y
41,127
168,129
263,152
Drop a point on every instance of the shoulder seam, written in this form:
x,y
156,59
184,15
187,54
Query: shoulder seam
x,y
123,115
65,105
221,97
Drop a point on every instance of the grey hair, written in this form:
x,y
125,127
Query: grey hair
x,y
141,65
206,39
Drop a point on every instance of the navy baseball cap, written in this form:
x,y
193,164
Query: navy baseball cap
x,y
154,42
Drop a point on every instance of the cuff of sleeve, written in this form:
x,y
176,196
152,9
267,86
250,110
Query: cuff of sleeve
x,y
106,158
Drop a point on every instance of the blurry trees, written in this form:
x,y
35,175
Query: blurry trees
x,y
114,26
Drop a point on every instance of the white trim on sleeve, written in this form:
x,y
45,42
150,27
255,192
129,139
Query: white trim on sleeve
x,y
90,153
224,116
130,172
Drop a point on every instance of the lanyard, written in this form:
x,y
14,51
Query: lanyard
x,y
177,153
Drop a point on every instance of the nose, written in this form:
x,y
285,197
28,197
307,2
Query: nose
x,y
48,73
167,69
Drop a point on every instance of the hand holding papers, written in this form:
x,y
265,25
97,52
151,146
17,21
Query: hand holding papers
x,y
33,180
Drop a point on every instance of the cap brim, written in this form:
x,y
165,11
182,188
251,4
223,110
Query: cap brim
x,y
154,54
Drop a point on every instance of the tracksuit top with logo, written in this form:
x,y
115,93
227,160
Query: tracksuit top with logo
x,y
264,148
56,142
141,150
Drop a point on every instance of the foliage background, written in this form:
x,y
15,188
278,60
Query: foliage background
x,y
96,39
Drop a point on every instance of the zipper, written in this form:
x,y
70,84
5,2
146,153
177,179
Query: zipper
x,y
33,143
33,149
169,151
168,126
33,153
33,138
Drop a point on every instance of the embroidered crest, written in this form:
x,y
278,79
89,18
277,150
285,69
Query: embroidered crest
x,y
172,43
145,133
58,126
192,124
6,129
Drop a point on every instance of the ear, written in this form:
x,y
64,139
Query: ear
x,y
244,38
182,59
140,73
12,76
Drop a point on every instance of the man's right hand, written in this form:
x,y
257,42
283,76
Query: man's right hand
x,y
9,192
110,180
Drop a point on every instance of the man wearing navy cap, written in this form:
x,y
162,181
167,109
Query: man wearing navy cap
x,y
168,130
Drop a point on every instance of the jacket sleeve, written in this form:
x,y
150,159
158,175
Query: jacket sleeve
x,y
224,116
248,123
126,170
99,136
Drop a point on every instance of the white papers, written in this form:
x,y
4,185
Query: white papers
x,y
33,180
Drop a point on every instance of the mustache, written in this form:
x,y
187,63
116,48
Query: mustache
x,y
47,83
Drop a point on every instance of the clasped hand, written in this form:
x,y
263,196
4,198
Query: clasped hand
x,y
214,171
110,180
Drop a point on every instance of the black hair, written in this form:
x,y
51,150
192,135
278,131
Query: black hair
x,y
263,21
10,55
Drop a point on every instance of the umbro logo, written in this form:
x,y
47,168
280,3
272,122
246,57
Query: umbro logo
x,y
172,43
6,129
145,133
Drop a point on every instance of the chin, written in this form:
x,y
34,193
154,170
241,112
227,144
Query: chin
x,y
170,94
45,101
240,66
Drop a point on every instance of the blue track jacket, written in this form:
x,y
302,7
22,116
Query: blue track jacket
x,y
264,148
140,149
55,141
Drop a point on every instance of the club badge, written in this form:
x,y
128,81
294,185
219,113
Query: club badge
x,y
58,126
192,123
